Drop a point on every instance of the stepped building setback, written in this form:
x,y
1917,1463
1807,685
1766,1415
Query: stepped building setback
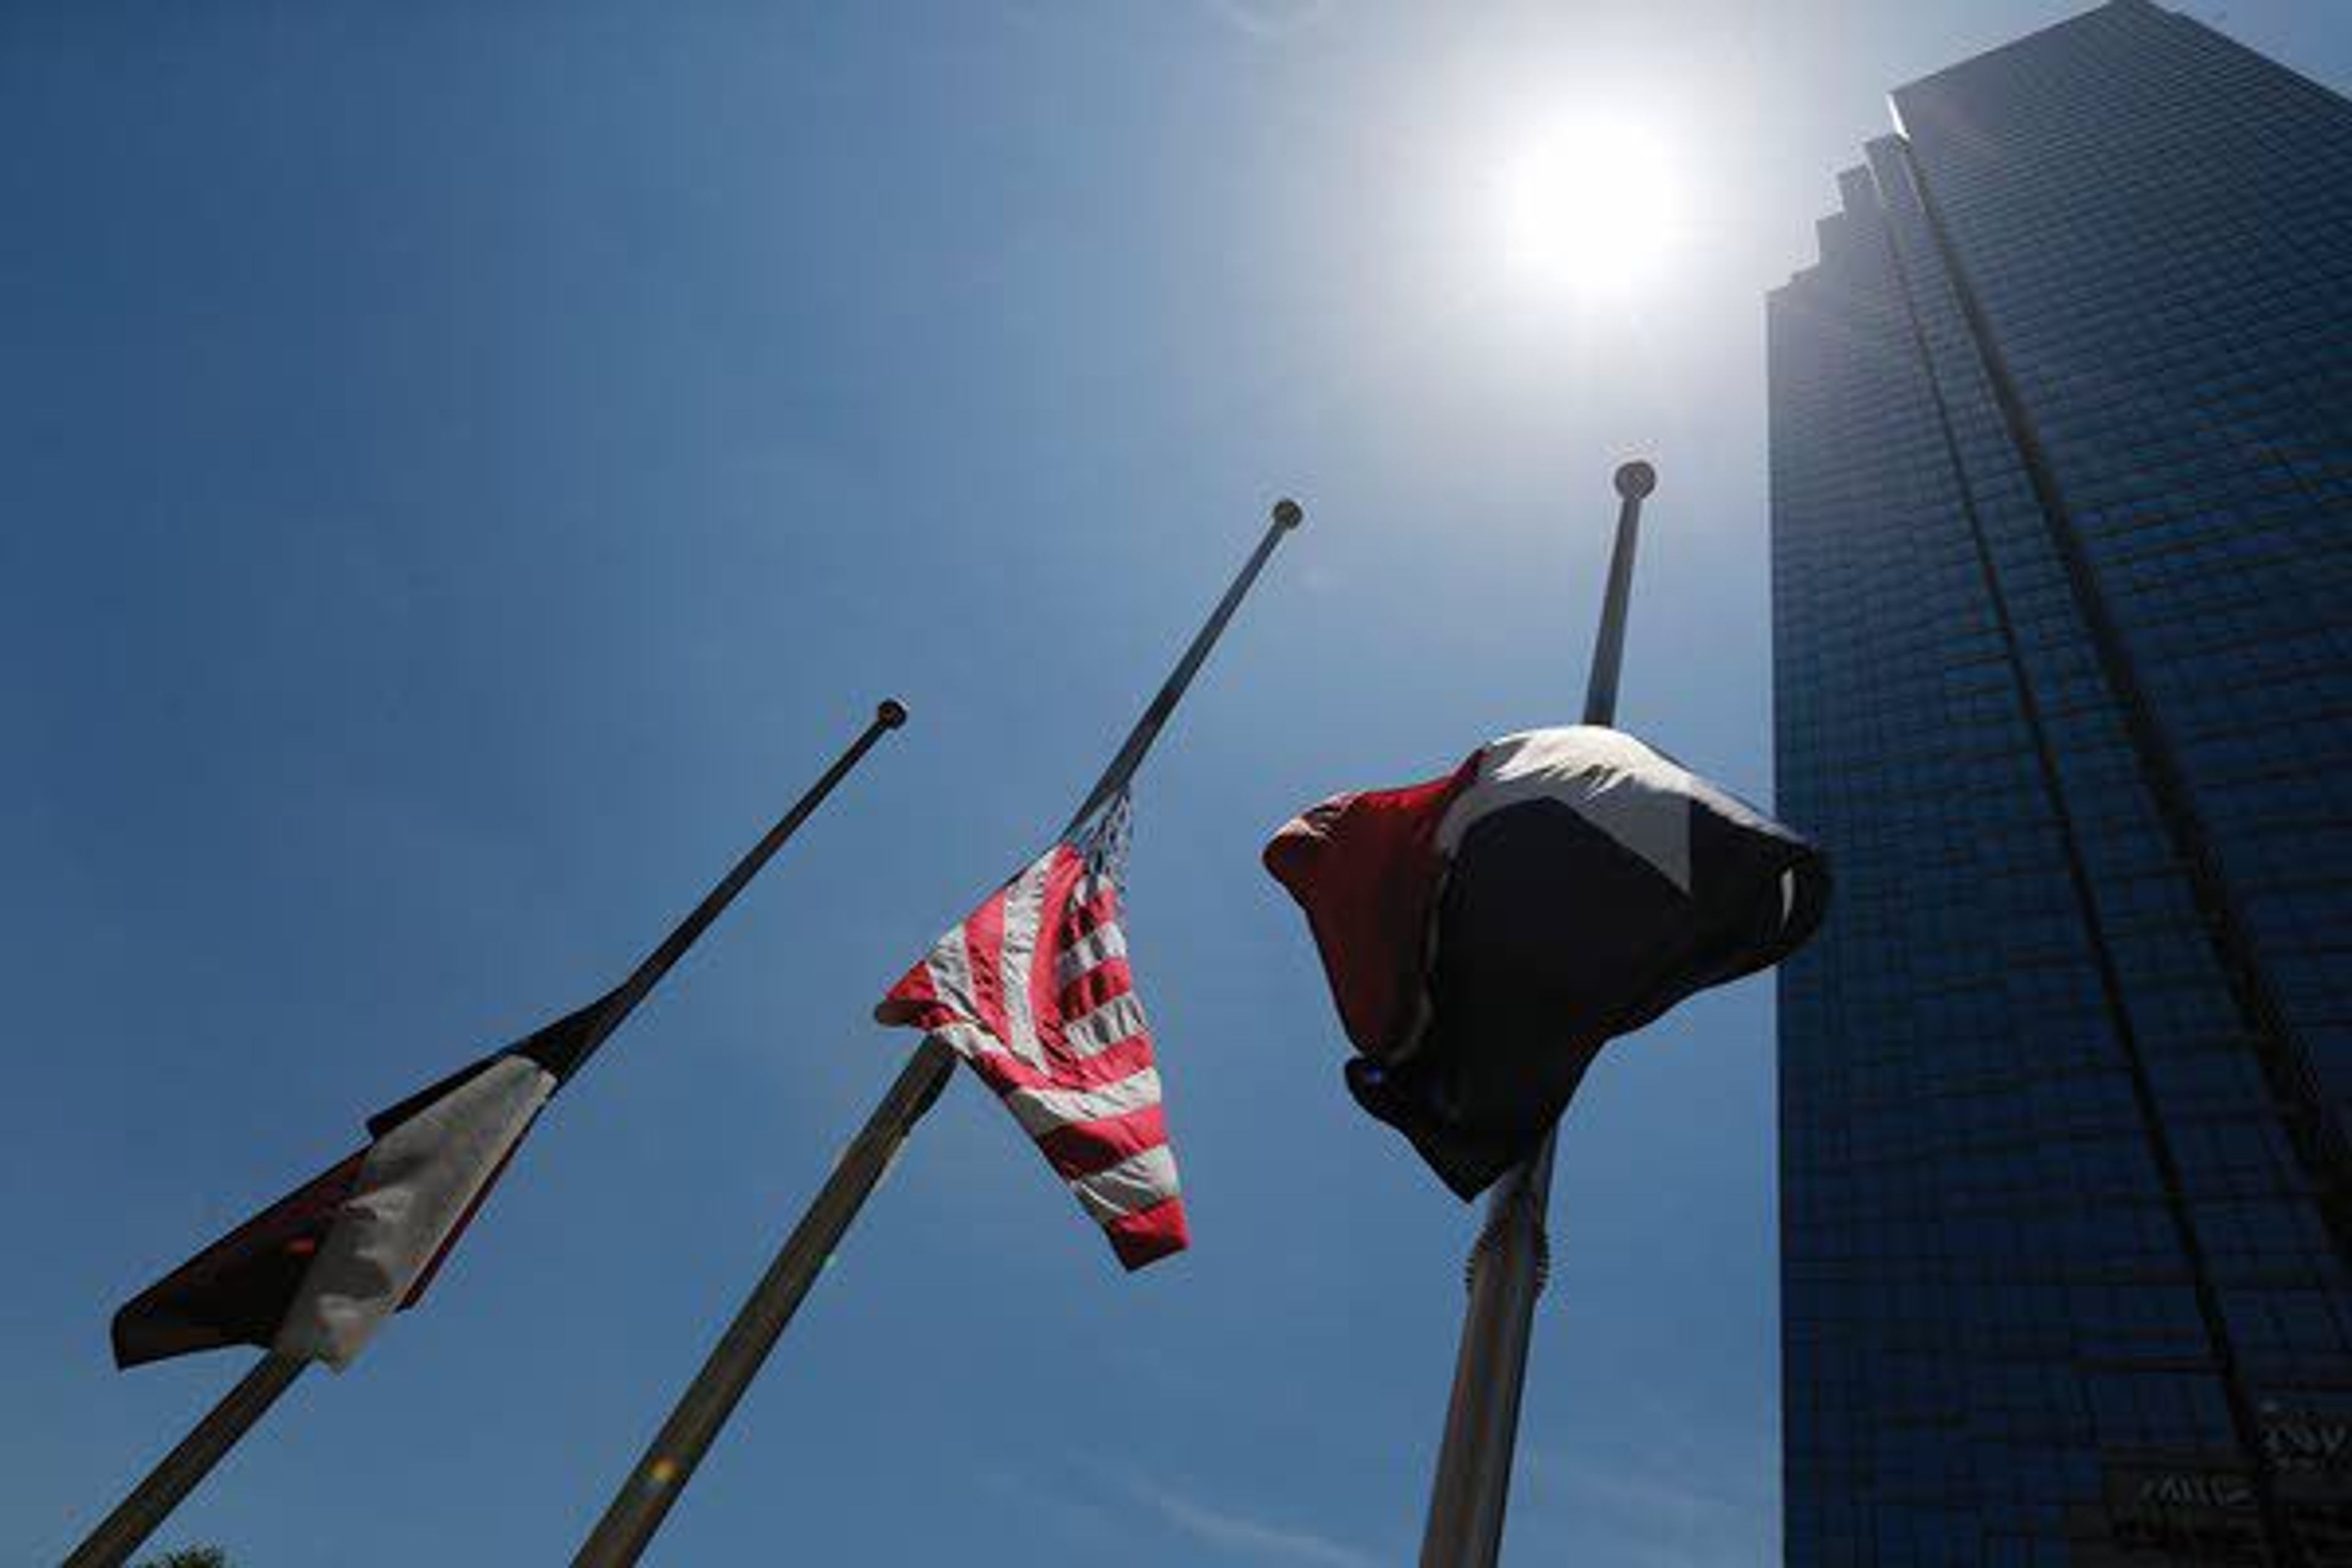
x,y
2062,537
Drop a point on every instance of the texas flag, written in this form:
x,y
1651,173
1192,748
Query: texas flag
x,y
1486,933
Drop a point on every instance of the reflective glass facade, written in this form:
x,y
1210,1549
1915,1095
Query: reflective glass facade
x,y
2061,511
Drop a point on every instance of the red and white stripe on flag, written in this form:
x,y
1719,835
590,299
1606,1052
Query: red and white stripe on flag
x,y
1033,990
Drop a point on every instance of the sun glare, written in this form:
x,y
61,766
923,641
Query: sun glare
x,y
1589,206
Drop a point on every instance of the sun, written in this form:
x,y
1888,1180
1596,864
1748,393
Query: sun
x,y
1591,206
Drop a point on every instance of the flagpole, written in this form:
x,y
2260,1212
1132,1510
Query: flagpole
x,y
1286,516
1512,1259
645,1498
623,1000
135,1518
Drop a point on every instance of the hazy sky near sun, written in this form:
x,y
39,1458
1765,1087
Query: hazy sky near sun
x,y
466,466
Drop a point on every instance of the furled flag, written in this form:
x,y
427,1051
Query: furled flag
x,y
1033,990
316,1273
1484,934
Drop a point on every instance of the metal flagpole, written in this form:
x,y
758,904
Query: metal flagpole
x,y
134,1519
1512,1258
645,1498
623,1001
1115,778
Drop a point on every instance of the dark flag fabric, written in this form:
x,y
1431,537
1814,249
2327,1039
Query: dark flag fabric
x,y
316,1273
1485,933
1033,990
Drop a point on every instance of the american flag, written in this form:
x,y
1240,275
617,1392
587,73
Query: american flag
x,y
1033,990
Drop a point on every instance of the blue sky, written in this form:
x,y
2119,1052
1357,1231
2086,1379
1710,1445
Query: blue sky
x,y
466,470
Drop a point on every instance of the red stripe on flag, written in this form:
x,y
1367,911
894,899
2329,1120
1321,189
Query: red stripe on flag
x,y
1001,1072
1099,907
1083,1148
1105,982
913,1000
1149,1235
983,952
1053,936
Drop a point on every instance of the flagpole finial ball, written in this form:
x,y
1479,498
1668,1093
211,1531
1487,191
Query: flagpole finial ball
x,y
891,713
1288,513
1636,480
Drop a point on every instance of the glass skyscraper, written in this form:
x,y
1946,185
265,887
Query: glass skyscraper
x,y
2061,514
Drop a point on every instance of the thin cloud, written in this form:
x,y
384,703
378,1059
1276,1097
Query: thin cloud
x,y
1651,1516
1243,1536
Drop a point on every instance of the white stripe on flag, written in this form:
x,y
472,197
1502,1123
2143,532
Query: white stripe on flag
x,y
1040,1111
970,1041
950,964
1016,962
415,1185
1120,1018
1134,1184
1098,946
